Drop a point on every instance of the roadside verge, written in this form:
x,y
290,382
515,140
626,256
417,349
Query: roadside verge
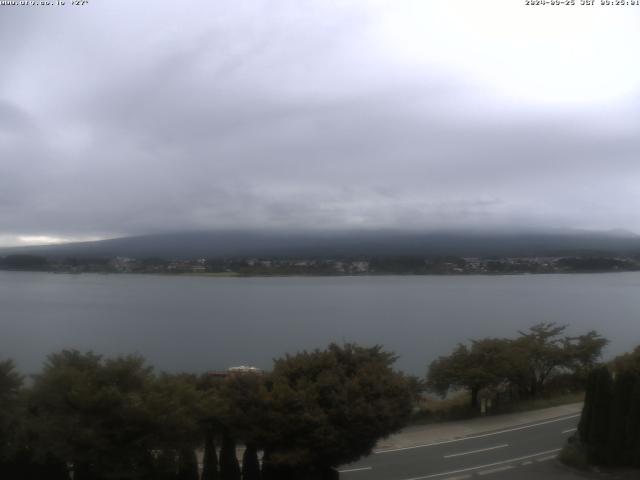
x,y
439,432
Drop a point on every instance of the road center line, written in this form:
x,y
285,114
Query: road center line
x,y
362,469
488,465
569,430
495,470
476,451
514,429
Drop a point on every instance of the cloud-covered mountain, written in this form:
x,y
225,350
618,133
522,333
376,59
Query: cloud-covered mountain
x,y
342,243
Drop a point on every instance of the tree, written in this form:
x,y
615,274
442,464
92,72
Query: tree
x,y
10,385
527,362
250,463
166,465
632,451
210,459
14,459
187,465
178,407
329,407
584,352
618,442
92,412
242,401
593,428
609,428
629,362
545,351
487,363
229,467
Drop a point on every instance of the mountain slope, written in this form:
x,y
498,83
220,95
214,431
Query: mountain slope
x,y
353,243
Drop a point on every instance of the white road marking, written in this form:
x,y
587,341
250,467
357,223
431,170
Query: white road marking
x,y
514,429
355,469
545,459
495,470
569,430
459,477
476,451
488,465
528,462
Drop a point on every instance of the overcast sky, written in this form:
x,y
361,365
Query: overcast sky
x,y
124,117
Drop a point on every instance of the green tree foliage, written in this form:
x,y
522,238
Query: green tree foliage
x,y
177,407
632,449
526,362
16,460
329,407
114,419
229,466
250,463
609,428
485,364
166,465
629,362
10,385
594,430
210,458
584,352
187,465
544,350
242,401
92,412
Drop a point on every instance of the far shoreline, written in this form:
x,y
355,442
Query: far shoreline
x,y
316,275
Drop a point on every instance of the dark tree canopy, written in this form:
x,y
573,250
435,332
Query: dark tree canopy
x,y
115,419
210,457
629,362
330,407
92,412
250,463
526,363
10,384
609,428
485,364
229,466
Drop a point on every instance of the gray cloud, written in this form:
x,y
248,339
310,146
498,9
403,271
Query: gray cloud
x,y
127,120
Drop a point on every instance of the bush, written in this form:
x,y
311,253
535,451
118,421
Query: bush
x,y
574,456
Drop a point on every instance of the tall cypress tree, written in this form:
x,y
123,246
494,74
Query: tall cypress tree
x,y
267,471
250,463
619,416
632,454
54,468
166,465
83,471
229,467
599,422
187,465
210,460
586,419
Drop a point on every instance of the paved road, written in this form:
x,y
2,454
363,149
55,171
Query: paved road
x,y
493,453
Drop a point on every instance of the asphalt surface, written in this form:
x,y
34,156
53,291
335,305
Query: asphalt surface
x,y
514,452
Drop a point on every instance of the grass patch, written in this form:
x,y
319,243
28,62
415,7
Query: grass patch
x,y
540,402
573,456
457,407
454,407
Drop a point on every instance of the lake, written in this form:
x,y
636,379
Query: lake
x,y
196,323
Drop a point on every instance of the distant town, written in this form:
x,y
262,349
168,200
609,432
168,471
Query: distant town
x,y
249,266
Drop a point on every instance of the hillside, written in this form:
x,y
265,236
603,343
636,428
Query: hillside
x,y
336,244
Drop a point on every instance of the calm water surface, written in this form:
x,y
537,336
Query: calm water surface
x,y
202,323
